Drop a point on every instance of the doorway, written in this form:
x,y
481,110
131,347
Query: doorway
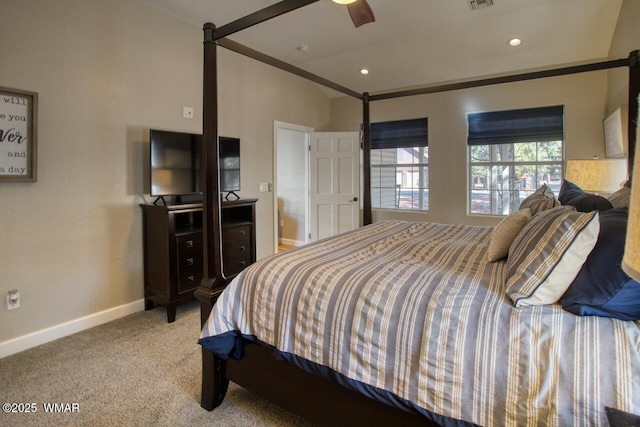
x,y
316,184
291,184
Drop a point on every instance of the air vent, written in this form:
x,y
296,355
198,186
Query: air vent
x,y
479,4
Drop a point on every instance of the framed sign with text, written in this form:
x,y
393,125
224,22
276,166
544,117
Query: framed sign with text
x,y
18,135
615,133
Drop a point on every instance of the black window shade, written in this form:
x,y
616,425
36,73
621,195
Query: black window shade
x,y
399,134
513,126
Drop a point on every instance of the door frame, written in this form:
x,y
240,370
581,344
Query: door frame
x,y
307,131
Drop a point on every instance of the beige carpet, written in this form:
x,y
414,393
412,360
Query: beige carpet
x,y
135,371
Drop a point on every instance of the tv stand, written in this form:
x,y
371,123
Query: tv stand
x,y
179,199
160,199
173,249
230,193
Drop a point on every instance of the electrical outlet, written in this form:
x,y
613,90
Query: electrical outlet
x,y
187,112
13,299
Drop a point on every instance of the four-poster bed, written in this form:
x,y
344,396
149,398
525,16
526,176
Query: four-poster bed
x,y
316,398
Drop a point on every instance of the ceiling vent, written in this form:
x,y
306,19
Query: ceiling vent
x,y
479,4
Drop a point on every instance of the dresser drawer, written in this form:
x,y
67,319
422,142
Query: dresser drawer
x,y
190,262
238,249
189,242
189,281
235,265
236,233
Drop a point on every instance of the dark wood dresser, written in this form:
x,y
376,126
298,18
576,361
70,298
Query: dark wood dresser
x,y
173,243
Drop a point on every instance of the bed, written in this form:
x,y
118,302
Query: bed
x,y
414,315
486,349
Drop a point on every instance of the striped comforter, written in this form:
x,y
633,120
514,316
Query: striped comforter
x,y
415,309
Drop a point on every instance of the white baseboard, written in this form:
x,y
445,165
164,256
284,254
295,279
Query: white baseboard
x,y
290,242
34,339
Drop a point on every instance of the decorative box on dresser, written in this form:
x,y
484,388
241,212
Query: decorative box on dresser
x,y
173,244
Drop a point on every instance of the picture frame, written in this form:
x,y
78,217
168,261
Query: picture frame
x,y
18,135
615,133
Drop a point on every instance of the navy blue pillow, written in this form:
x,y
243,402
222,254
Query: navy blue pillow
x,y
601,287
572,195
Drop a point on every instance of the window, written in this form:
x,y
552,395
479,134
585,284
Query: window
x,y
511,154
400,165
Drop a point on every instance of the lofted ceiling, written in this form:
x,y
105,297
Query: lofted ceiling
x,y
417,42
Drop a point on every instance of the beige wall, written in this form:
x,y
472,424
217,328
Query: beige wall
x,y
587,98
584,98
106,72
625,39
252,96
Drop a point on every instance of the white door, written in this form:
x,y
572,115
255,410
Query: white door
x,y
334,183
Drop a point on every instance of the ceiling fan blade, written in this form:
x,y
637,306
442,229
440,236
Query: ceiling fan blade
x,y
360,12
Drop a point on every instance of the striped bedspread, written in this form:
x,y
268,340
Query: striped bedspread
x,y
415,309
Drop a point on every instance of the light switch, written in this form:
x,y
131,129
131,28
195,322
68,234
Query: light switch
x,y
264,187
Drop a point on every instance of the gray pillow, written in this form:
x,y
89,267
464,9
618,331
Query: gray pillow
x,y
541,200
620,199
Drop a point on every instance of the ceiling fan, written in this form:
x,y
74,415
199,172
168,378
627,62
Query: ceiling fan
x,y
359,10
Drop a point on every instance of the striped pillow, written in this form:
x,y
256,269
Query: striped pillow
x,y
621,198
548,253
541,200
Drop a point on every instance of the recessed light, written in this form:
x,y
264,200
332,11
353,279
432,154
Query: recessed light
x,y
343,1
515,42
364,71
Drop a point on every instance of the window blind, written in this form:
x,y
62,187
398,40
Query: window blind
x,y
399,134
513,126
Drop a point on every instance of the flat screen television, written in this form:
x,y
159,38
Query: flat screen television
x,y
229,164
175,165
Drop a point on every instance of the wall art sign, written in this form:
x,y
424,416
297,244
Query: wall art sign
x,y
615,133
18,135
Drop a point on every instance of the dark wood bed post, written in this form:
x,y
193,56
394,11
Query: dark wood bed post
x,y
634,91
214,381
366,161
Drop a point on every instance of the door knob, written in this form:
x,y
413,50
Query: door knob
x,y
355,199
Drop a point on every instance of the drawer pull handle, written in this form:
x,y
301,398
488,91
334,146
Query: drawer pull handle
x,y
189,261
243,263
243,248
189,243
190,278
242,232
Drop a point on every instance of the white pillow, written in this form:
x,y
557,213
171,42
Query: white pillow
x,y
548,253
505,232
